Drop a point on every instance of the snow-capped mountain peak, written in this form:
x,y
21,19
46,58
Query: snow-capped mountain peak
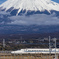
x,y
32,5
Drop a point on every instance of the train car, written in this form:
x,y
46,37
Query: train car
x,y
35,50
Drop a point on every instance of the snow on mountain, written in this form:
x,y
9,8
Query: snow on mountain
x,y
29,5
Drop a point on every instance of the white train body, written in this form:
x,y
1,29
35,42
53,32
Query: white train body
x,y
34,50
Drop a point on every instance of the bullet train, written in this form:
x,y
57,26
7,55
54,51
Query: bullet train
x,y
35,50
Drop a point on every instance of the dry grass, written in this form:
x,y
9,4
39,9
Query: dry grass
x,y
27,56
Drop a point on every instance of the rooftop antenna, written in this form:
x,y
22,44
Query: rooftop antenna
x,y
4,43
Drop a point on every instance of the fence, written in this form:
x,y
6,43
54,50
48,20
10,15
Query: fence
x,y
8,55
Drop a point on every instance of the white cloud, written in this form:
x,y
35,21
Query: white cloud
x,y
4,13
39,19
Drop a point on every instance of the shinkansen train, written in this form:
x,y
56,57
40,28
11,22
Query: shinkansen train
x,y
36,50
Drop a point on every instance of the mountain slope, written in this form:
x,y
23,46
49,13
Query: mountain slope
x,y
24,6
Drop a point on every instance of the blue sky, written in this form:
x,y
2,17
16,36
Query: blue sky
x,y
1,1
56,0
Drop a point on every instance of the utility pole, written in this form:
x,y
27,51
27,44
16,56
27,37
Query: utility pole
x,y
49,45
55,47
3,43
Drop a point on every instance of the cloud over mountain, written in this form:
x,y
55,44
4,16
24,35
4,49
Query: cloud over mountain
x,y
38,19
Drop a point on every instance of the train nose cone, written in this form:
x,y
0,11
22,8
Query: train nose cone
x,y
12,52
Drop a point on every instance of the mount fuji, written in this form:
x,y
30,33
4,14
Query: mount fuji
x,y
19,7
29,16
